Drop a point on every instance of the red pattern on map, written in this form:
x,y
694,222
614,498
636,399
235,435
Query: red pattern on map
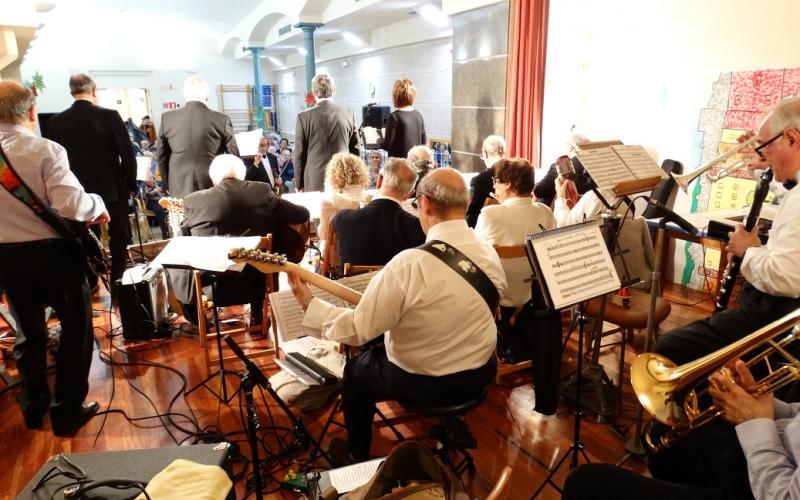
x,y
742,120
755,90
791,83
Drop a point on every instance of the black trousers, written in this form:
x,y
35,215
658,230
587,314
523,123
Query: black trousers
x,y
705,336
34,275
371,377
706,464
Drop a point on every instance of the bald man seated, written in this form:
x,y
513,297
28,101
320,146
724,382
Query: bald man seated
x,y
440,331
372,235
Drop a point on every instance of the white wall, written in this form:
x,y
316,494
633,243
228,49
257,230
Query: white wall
x,y
642,71
125,51
427,64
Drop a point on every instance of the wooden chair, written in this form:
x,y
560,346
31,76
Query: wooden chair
x,y
502,487
351,270
208,339
330,255
510,252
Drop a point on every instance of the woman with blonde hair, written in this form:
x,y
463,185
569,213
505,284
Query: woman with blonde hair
x,y
346,176
405,127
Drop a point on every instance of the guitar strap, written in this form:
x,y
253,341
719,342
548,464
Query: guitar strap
x,y
14,184
465,268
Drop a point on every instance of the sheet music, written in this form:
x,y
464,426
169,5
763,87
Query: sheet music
x,y
346,479
574,263
639,162
204,253
248,142
289,314
142,167
605,167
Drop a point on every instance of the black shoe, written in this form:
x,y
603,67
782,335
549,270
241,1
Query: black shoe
x,y
34,421
339,452
86,412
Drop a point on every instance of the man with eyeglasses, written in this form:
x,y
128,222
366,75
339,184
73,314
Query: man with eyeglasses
x,y
756,453
771,271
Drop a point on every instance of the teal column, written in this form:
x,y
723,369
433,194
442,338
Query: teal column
x,y
258,95
308,42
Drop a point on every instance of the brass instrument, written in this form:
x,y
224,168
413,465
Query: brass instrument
x,y
675,395
684,180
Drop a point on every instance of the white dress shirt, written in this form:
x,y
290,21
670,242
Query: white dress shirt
x,y
774,268
436,323
587,208
507,224
43,167
350,197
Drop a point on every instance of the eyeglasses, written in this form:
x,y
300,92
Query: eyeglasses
x,y
761,147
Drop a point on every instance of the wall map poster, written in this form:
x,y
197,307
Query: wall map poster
x,y
737,103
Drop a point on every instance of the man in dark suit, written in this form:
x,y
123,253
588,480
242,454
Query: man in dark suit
x,y
492,151
263,167
100,154
233,207
321,132
374,234
190,138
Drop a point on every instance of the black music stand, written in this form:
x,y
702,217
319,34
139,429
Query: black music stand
x,y
570,266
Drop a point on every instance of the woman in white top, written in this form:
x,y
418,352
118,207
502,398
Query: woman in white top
x,y
508,223
346,177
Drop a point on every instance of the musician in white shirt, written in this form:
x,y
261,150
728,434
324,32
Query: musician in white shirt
x,y
439,332
38,268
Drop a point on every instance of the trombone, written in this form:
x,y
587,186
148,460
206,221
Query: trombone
x,y
684,180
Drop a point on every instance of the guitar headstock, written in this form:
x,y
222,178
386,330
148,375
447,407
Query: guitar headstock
x,y
266,262
171,203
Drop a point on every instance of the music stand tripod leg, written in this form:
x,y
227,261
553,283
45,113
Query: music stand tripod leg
x,y
253,425
222,372
576,448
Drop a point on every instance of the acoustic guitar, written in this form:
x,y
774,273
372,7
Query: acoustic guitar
x,y
268,262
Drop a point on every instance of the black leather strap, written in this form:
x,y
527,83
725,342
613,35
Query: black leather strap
x,y
467,269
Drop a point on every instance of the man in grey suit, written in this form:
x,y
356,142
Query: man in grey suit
x,y
321,132
190,138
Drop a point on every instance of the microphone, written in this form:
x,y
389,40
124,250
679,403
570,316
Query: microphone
x,y
671,216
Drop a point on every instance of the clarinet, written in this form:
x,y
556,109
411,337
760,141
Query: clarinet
x,y
732,270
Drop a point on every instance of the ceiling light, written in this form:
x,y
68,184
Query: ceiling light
x,y
433,14
352,39
274,60
302,51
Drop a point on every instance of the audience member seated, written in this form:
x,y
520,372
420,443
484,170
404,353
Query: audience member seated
x,y
440,333
374,234
151,192
287,170
233,207
507,224
423,160
345,179
284,144
493,150
545,189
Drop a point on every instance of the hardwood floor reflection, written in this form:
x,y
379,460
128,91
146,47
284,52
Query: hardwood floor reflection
x,y
507,431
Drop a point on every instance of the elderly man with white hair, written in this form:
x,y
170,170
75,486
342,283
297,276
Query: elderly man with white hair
x,y
438,318
190,138
480,187
321,132
234,207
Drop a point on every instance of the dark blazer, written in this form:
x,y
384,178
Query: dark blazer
x,y
545,189
234,208
321,132
479,188
374,234
404,130
98,148
258,172
189,139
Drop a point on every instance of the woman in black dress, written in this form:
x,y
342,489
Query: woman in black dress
x,y
405,127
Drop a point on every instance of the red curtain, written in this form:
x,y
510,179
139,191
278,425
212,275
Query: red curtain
x,y
527,52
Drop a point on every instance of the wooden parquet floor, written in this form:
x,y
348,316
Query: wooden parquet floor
x,y
507,430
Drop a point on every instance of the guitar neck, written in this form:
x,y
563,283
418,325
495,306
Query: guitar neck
x,y
323,283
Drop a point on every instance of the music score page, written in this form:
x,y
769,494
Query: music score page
x,y
574,263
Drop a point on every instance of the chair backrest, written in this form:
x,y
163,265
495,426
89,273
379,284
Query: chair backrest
x,y
330,256
502,487
351,270
665,190
639,256
510,252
